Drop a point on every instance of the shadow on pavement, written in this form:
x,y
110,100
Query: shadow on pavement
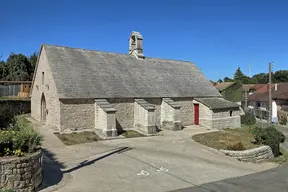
x,y
52,173
87,163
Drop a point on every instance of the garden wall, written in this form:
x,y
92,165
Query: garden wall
x,y
23,174
257,155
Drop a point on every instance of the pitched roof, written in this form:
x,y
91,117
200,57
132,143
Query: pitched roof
x,y
263,93
80,73
217,103
224,85
248,87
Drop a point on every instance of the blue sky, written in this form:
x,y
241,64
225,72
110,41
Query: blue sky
x,y
218,36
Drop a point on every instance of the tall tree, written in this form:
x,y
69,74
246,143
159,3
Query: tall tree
x,y
227,79
260,78
247,80
238,76
280,76
17,66
33,60
219,81
2,70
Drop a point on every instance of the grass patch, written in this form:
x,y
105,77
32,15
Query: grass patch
x,y
131,134
222,139
15,98
282,158
78,138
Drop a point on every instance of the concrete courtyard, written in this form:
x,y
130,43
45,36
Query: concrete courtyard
x,y
168,162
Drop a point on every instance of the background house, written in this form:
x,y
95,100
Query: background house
x,y
259,100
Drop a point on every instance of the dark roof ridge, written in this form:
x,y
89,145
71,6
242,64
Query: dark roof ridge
x,y
109,52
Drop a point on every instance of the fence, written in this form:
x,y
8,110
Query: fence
x,y
9,90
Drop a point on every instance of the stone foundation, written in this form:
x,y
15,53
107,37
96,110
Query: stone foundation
x,y
257,155
23,174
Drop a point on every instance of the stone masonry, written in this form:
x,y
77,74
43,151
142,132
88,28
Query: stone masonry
x,y
144,116
105,118
257,155
23,174
170,115
48,89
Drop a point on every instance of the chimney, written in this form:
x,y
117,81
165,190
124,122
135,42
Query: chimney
x,y
276,87
135,45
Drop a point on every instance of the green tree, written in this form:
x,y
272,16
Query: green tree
x,y
247,80
227,79
17,66
2,70
280,76
261,78
239,76
219,81
33,60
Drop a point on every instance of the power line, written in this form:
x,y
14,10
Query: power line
x,y
231,44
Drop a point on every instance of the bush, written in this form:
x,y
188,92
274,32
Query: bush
x,y
283,120
258,134
269,136
7,190
19,140
6,117
235,146
248,119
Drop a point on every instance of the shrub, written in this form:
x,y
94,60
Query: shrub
x,y
19,140
269,136
235,146
283,120
258,134
6,117
248,119
7,190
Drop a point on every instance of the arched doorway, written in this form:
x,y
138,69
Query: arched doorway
x,y
43,107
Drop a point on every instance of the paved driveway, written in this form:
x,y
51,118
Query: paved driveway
x,y
160,163
275,180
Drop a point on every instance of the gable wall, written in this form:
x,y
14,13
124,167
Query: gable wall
x,y
50,92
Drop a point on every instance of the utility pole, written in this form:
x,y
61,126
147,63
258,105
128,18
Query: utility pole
x,y
270,94
246,100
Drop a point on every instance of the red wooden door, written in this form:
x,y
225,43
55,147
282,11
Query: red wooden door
x,y
196,114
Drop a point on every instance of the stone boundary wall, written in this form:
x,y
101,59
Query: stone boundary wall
x,y
257,155
23,174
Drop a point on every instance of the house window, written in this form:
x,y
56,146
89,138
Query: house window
x,y
258,104
42,78
231,113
